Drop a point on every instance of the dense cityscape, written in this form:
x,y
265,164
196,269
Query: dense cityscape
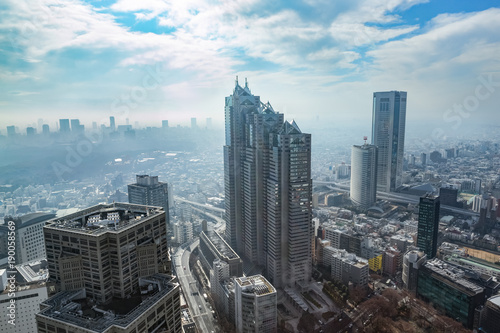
x,y
359,242
156,213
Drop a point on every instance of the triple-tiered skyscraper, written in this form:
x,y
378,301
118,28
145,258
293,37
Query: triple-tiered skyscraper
x,y
388,134
268,189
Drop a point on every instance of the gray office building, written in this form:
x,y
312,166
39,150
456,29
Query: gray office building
x,y
149,191
109,265
388,134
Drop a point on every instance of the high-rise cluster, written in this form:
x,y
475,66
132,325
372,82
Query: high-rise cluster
x,y
268,189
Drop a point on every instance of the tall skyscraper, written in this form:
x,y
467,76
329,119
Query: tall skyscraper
x,y
11,131
45,129
30,131
388,134
107,257
112,125
364,175
423,159
76,127
209,123
428,224
39,124
149,191
268,189
64,126
75,124
193,123
164,124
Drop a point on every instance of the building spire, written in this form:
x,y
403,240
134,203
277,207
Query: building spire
x,y
246,83
236,82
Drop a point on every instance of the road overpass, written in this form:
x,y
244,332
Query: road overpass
x,y
395,197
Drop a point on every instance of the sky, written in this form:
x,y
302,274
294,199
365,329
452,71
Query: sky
x,y
317,61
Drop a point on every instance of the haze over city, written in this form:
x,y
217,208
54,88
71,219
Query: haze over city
x,y
205,166
315,60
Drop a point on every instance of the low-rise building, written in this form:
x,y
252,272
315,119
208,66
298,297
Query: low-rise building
x,y
391,261
490,316
212,247
446,287
349,268
26,300
412,261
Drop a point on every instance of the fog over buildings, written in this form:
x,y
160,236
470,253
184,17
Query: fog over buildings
x,y
199,167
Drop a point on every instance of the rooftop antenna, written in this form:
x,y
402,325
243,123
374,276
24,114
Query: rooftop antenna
x,y
365,138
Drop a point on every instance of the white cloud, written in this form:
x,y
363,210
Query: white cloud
x,y
312,65
451,41
55,26
357,34
283,37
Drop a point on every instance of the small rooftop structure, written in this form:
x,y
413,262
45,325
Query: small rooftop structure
x,y
256,284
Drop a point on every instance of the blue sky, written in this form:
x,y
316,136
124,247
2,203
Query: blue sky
x,y
313,60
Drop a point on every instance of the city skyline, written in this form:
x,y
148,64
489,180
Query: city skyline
x,y
145,184
111,59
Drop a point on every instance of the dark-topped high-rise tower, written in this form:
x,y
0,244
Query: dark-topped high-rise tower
x,y
428,224
388,134
268,189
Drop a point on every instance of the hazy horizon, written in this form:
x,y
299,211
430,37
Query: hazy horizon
x,y
316,61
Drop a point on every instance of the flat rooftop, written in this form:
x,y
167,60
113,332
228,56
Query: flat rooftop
x,y
103,218
35,271
495,300
256,284
221,245
72,307
453,274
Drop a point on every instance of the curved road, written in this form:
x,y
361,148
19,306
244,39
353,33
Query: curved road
x,y
216,209
200,311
